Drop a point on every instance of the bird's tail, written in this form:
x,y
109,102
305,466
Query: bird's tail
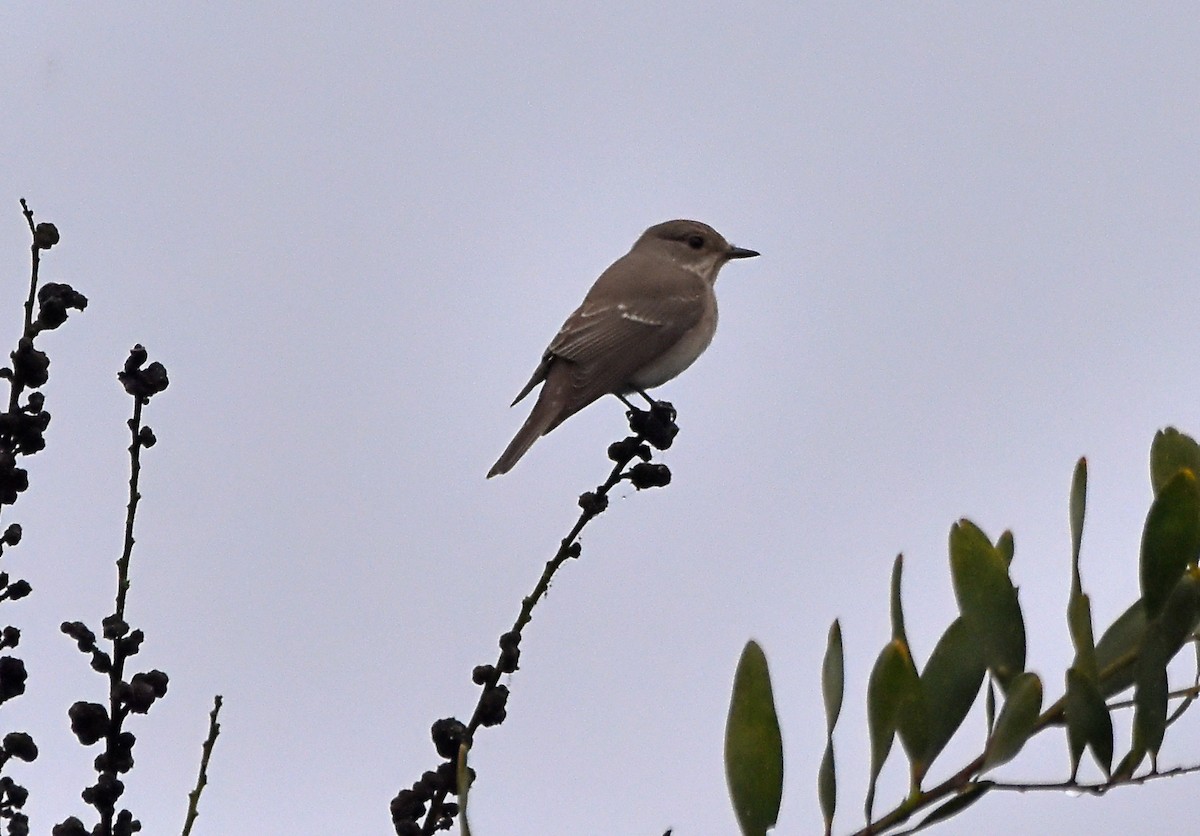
x,y
545,416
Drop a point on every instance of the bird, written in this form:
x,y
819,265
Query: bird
x,y
646,319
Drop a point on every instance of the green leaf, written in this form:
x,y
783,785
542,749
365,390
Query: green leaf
x,y
753,747
1016,721
950,683
827,787
885,690
1150,691
1163,638
1079,606
1119,642
1190,698
1180,612
833,676
1007,547
987,600
1130,762
989,707
1171,452
911,719
897,607
1088,721
1079,620
912,722
1170,539
1078,507
832,690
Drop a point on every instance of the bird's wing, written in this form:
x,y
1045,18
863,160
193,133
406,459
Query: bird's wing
x,y
622,326
605,344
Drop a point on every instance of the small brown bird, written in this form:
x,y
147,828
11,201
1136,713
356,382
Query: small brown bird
x,y
646,319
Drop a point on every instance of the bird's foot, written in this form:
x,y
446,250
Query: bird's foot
x,y
656,425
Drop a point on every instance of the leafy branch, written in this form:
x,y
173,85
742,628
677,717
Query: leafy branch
x,y
925,708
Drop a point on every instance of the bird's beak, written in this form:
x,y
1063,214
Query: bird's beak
x,y
741,252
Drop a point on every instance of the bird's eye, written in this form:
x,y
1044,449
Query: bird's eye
x,y
695,241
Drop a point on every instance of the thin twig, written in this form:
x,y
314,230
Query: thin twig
x,y
214,729
565,552
463,781
1191,692
592,505
135,471
1098,788
36,257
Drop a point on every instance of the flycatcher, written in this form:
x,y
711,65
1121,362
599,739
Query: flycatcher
x,y
646,319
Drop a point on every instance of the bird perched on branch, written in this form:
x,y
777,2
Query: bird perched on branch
x,y
646,319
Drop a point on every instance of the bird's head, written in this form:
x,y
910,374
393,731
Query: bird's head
x,y
692,245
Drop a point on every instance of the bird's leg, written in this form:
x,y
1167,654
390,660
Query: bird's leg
x,y
663,410
650,402
649,399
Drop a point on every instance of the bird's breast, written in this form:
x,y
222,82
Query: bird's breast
x,y
682,354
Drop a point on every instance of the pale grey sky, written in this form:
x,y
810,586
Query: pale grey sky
x,y
349,232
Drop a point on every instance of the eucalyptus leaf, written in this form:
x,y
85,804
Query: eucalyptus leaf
x,y
1180,612
833,676
1078,508
753,747
1150,691
912,721
1079,620
1119,642
987,600
1016,722
1170,539
1170,452
950,683
885,691
989,706
1007,547
1132,760
1088,721
897,607
827,787
1182,708
832,690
